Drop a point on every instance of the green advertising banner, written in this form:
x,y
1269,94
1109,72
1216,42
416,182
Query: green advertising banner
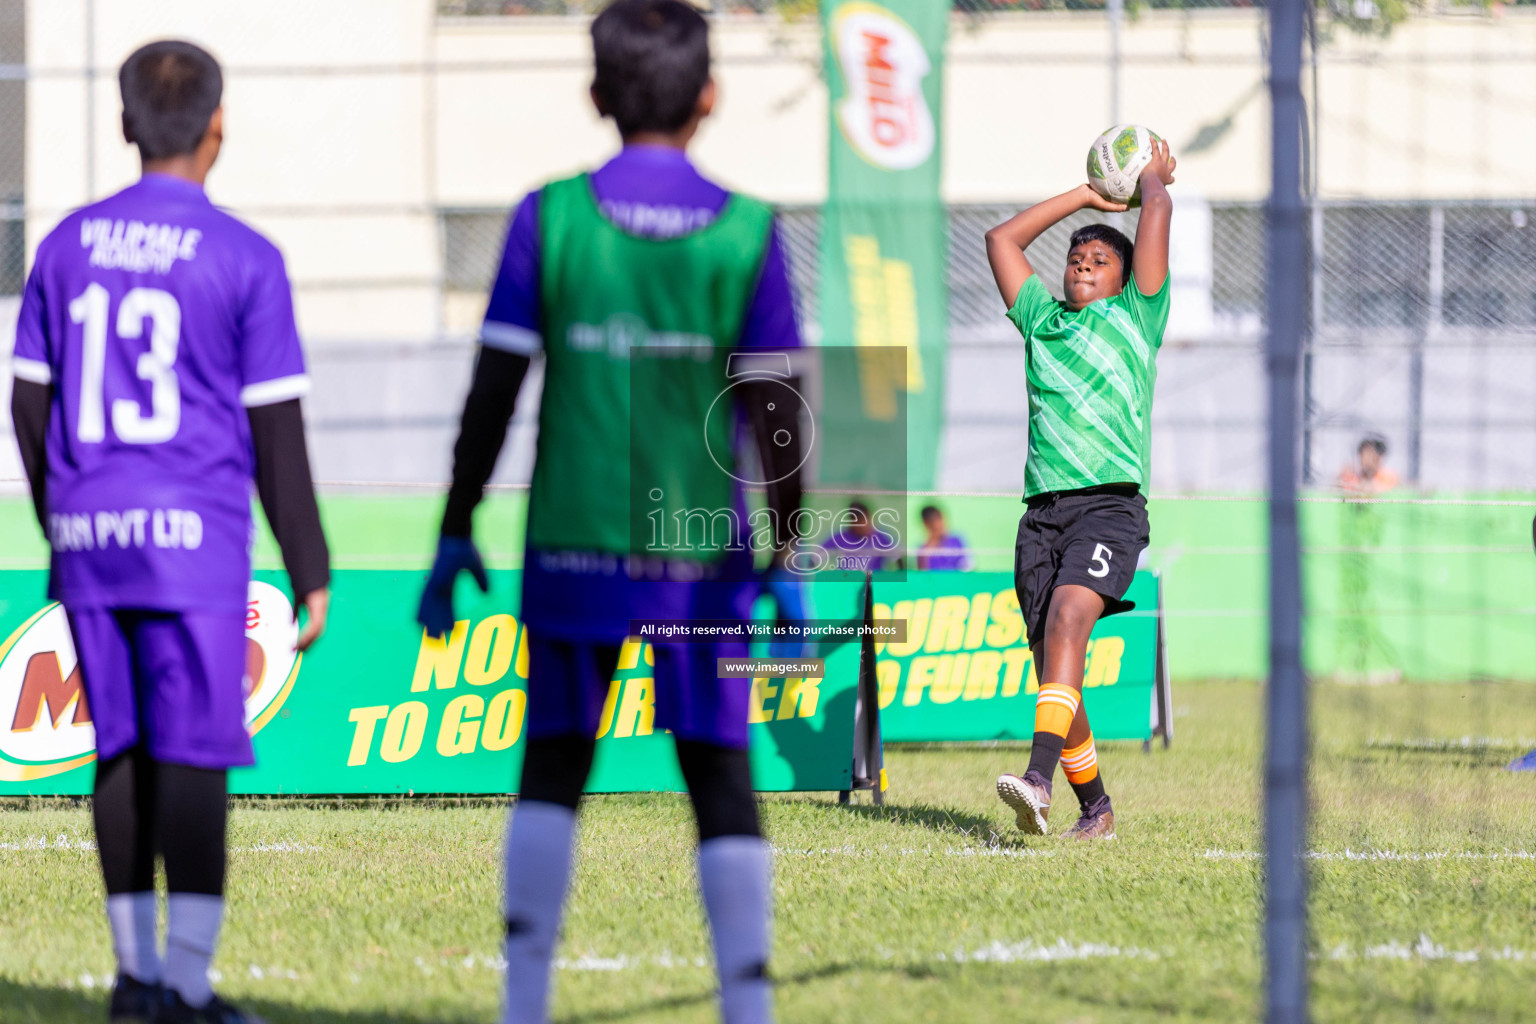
x,y
966,673
884,236
376,707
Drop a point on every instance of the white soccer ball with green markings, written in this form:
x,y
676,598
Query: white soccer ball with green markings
x,y
1116,161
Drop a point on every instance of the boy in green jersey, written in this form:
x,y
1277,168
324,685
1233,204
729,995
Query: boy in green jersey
x,y
1091,369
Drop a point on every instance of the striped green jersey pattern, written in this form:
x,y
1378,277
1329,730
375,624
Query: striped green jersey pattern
x,y
1090,378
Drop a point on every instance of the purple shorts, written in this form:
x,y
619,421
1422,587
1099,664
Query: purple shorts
x,y
568,683
173,681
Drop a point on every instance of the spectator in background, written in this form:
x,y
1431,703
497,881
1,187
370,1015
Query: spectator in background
x,y
1367,655
942,549
859,546
1527,761
1368,474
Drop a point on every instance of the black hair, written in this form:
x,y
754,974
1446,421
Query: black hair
x,y
1375,441
652,60
170,90
858,506
1111,237
930,511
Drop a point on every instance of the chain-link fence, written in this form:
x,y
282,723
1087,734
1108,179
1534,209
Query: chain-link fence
x,y
13,124
1425,314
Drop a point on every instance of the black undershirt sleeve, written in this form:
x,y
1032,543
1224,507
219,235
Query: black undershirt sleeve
x,y
30,406
781,462
287,492
482,431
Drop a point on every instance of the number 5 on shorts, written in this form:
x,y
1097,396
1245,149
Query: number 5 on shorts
x,y
1101,557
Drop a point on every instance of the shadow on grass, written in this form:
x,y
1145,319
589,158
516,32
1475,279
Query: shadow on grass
x,y
961,824
780,982
40,1004
1042,974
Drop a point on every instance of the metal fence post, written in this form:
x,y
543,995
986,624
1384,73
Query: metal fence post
x,y
1433,315
1285,913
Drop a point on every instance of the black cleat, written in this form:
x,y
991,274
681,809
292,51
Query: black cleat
x,y
174,1010
133,1001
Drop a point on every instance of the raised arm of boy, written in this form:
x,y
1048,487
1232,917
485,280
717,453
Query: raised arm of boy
x,y
1149,261
1006,242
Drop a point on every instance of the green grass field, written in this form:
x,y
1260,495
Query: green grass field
x,y
929,909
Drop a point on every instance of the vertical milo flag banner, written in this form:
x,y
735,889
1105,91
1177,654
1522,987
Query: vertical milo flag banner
x,y
884,235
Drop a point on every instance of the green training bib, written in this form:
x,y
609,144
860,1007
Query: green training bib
x,y
637,333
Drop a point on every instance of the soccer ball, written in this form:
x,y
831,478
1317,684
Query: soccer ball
x,y
1116,161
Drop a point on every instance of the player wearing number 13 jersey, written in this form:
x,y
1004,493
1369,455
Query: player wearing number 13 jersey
x,y
158,372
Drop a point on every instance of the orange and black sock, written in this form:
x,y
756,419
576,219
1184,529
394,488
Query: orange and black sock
x,y
1081,764
1054,710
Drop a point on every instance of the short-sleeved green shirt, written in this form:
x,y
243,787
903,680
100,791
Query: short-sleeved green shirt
x,y
1090,376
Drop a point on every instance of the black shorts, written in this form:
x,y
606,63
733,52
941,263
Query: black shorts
x,y
1090,537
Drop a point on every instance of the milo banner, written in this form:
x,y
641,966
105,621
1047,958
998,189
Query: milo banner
x,y
965,671
884,235
375,707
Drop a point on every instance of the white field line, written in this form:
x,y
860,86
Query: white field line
x,y
68,842
1027,951
1423,950
1427,949
1457,743
926,851
998,952
1348,854
1032,952
257,972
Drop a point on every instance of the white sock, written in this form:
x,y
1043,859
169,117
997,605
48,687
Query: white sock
x,y
733,876
541,838
191,933
132,917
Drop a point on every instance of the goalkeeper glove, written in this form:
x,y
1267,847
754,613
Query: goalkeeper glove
x,y
454,555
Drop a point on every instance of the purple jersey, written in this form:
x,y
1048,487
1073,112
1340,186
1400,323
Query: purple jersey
x,y
949,553
848,551
647,190
655,192
158,319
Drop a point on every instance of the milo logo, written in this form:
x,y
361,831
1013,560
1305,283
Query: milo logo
x,y
271,662
45,719
884,114
45,722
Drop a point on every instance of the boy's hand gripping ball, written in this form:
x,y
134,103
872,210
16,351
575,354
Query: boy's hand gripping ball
x,y
1116,161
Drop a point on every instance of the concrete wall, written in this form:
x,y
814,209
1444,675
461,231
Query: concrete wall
x,y
334,166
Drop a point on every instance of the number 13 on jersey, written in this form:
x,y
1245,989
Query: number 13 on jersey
x,y
92,310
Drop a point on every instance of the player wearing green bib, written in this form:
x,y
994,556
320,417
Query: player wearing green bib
x,y
1091,361
592,327
638,283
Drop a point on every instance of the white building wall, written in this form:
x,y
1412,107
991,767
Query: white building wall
x,y
333,166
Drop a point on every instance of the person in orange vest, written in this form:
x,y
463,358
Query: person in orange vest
x,y
1368,474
